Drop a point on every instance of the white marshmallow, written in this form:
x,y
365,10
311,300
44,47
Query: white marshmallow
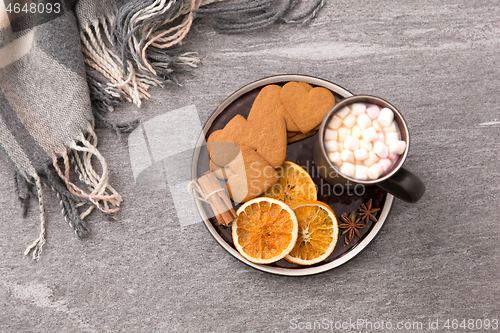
x,y
385,117
369,134
356,131
361,172
349,120
393,156
380,137
375,171
380,149
398,147
351,143
372,159
347,156
341,146
331,134
391,137
365,145
335,158
348,169
391,128
361,154
331,146
373,111
377,126
343,112
385,163
343,133
358,108
364,121
335,122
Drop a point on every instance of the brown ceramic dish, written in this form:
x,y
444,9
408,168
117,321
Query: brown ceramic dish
x,y
300,152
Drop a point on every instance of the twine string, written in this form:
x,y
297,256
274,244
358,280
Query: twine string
x,y
197,192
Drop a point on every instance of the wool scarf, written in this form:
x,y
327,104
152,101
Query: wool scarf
x,y
65,63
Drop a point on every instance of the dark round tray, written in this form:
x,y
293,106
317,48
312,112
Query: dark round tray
x,y
341,200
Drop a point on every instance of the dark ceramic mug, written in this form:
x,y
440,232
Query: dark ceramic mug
x,y
397,181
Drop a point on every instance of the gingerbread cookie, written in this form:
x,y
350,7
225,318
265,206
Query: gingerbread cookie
x,y
253,175
297,136
306,105
221,147
266,135
212,137
268,103
291,126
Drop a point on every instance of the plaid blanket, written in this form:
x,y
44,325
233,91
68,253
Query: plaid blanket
x,y
65,63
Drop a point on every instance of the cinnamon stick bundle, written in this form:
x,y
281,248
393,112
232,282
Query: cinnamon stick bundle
x,y
217,197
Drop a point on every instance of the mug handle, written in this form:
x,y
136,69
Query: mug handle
x,y
404,185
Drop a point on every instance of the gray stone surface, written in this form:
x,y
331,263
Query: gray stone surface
x,y
437,61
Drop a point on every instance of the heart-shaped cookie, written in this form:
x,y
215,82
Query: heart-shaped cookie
x,y
252,176
212,137
223,152
300,136
297,136
266,135
291,126
306,105
220,144
268,103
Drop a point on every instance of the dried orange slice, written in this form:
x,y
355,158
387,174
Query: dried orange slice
x,y
318,233
265,230
294,185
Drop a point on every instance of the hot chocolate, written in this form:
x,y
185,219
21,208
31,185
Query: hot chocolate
x,y
363,141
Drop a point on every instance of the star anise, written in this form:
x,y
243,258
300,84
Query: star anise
x,y
367,212
351,226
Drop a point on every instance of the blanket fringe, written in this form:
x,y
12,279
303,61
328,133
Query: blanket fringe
x,y
99,193
144,27
101,58
146,35
37,245
98,185
102,196
23,190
